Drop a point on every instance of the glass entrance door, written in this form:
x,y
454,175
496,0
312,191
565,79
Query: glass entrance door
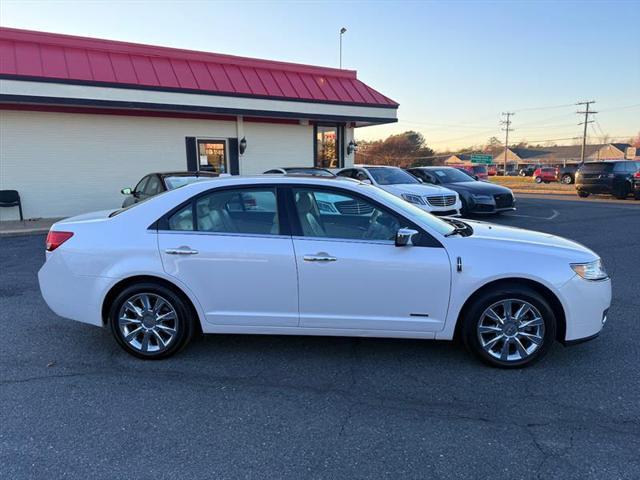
x,y
213,156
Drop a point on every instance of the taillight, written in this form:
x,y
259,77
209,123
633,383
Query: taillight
x,y
636,175
55,239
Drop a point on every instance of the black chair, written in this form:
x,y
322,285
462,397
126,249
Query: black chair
x,y
11,198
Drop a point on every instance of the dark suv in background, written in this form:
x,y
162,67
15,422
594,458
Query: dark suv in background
x,y
617,178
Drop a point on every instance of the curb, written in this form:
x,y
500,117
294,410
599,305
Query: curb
x,y
25,232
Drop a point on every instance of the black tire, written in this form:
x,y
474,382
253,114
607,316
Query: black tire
x,y
623,193
583,194
474,313
184,324
566,179
538,179
464,210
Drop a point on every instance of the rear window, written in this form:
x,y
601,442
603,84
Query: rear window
x,y
596,167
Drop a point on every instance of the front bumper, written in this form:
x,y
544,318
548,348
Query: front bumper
x,y
586,304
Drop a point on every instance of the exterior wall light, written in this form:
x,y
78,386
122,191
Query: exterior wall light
x,y
242,146
352,147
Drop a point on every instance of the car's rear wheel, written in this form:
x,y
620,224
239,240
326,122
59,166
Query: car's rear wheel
x,y
509,327
623,192
150,321
583,194
538,179
567,179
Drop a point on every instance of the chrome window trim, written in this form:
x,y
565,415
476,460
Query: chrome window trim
x,y
344,240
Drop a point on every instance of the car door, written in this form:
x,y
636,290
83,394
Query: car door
x,y
350,273
231,249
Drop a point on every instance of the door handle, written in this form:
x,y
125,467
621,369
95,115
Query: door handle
x,y
180,251
322,257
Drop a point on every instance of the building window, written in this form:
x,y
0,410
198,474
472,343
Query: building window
x,y
213,156
328,146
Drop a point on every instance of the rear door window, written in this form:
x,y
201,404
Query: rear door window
x,y
247,210
596,167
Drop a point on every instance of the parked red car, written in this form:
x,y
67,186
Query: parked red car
x,y
546,175
479,172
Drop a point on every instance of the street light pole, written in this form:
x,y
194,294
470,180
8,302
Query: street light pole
x,y
342,32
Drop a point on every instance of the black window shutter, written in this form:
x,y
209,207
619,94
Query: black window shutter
x,y
192,154
234,157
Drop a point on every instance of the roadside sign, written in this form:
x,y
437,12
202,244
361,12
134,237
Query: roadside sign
x,y
488,159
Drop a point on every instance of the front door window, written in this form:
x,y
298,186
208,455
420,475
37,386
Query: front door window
x,y
213,156
327,153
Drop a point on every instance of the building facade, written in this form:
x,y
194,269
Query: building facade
x,y
81,118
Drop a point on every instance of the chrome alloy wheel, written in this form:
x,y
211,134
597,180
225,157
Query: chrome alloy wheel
x,y
148,322
511,330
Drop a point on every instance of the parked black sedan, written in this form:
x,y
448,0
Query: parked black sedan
x,y
477,197
156,183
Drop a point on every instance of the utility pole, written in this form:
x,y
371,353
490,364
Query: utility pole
x,y
586,113
343,30
507,128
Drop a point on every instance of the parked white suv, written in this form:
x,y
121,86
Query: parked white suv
x,y
431,198
260,255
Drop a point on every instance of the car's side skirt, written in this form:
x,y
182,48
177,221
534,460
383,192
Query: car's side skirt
x,y
330,332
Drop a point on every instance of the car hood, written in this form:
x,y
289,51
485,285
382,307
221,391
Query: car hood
x,y
416,189
521,239
485,188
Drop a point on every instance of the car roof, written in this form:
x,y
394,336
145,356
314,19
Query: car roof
x,y
371,166
433,167
185,174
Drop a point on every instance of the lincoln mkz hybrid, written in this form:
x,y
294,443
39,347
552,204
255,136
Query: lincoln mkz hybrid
x,y
293,255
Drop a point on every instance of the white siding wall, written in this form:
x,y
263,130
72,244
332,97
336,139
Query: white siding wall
x,y
271,145
65,163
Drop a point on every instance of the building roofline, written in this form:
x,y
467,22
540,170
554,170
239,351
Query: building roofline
x,y
118,46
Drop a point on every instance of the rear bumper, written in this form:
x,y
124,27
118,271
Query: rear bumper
x,y
77,297
594,187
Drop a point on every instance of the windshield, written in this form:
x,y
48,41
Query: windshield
x,y
479,169
391,176
180,181
412,211
451,175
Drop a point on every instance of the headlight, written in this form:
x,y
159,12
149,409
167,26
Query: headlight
x,y
590,271
482,198
417,199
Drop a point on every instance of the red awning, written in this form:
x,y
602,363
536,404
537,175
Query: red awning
x,y
41,56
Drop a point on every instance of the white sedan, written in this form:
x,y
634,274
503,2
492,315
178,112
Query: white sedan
x,y
430,198
257,255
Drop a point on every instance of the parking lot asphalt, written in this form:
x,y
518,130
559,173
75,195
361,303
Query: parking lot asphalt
x,y
73,405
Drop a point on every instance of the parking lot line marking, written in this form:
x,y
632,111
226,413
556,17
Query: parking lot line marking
x,y
555,214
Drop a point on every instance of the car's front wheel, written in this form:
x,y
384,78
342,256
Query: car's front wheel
x,y
538,179
509,327
567,179
150,321
583,194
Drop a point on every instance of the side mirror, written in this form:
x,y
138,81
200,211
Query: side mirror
x,y
126,191
404,237
476,177
420,180
366,180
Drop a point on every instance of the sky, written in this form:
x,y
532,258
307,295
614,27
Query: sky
x,y
453,66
